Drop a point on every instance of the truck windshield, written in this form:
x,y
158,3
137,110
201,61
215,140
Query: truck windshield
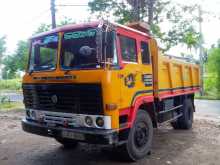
x,y
79,49
44,53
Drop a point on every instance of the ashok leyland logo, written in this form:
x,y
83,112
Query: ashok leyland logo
x,y
54,99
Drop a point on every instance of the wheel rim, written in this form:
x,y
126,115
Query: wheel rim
x,y
141,135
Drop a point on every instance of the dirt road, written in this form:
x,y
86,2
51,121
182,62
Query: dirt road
x,y
199,146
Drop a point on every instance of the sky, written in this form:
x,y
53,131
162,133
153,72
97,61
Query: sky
x,y
20,18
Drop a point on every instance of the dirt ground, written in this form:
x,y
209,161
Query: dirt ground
x,y
199,146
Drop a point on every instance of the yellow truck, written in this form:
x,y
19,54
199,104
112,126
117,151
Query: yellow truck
x,y
105,83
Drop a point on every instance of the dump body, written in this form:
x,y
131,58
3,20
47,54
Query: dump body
x,y
173,76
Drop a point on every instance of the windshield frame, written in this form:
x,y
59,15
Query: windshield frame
x,y
98,49
56,56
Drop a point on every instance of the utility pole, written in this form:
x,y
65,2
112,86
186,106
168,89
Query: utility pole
x,y
53,13
201,53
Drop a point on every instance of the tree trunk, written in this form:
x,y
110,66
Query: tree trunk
x,y
136,10
150,7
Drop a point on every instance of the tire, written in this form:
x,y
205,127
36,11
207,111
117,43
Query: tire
x,y
140,138
67,143
186,120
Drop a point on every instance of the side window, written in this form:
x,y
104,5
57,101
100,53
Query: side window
x,y
145,53
128,49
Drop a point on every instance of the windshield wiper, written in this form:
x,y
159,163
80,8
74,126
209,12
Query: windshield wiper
x,y
88,64
93,65
44,67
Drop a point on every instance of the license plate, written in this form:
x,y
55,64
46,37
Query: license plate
x,y
51,124
73,135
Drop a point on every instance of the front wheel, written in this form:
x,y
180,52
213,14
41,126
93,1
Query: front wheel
x,y
140,137
67,143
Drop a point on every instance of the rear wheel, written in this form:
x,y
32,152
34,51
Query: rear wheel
x,y
67,143
186,120
140,138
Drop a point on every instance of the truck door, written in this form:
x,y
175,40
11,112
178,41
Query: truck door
x,y
137,77
146,64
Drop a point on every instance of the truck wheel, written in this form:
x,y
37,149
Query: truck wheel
x,y
67,143
140,138
186,120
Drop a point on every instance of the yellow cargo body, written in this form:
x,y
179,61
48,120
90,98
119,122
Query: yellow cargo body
x,y
173,76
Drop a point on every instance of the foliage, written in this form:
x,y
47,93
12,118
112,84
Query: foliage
x,y
46,27
191,38
16,61
213,65
212,74
65,21
120,10
2,48
43,28
212,96
157,12
4,99
12,84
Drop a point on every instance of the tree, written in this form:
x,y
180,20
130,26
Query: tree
x,y
2,51
157,13
46,27
133,10
143,8
43,28
191,38
2,48
17,61
213,65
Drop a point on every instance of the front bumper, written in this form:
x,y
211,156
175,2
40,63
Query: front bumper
x,y
91,135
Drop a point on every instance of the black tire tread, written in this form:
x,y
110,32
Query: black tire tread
x,y
126,149
183,122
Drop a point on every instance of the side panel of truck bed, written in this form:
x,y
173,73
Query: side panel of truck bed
x,y
173,77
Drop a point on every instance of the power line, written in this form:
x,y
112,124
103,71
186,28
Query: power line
x,y
38,16
53,10
72,5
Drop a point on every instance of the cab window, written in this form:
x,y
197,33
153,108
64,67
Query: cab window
x,y
145,53
128,49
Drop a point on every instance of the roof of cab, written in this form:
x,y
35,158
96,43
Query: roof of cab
x,y
86,25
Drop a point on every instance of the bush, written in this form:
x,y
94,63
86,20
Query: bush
x,y
12,84
4,99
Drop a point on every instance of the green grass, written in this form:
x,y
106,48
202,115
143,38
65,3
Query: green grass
x,y
212,96
7,106
11,84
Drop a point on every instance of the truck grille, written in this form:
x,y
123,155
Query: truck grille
x,y
68,98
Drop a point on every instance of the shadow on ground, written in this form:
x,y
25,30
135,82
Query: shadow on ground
x,y
164,140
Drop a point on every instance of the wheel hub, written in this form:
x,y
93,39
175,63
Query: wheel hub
x,y
141,134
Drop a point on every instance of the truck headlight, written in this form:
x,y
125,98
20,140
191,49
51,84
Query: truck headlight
x,y
89,121
97,121
33,115
28,113
100,122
